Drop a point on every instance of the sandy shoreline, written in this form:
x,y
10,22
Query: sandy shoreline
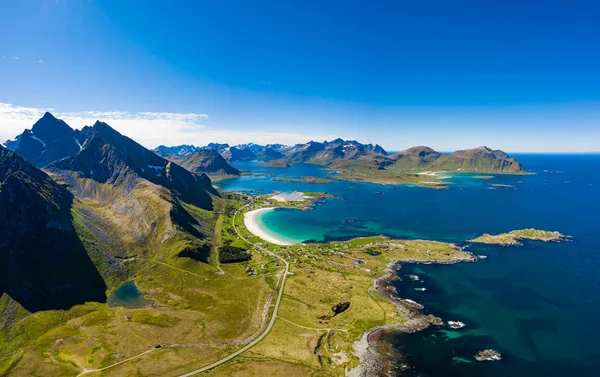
x,y
252,224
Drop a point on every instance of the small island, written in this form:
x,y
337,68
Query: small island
x,y
275,164
512,238
488,355
303,180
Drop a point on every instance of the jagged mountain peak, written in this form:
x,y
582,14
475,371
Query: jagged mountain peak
x,y
49,139
110,157
48,116
49,127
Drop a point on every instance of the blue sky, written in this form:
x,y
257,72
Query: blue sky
x,y
522,76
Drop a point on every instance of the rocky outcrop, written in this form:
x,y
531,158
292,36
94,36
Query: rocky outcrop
x,y
488,355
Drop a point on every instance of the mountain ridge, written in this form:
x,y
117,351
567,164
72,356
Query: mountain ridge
x,y
109,157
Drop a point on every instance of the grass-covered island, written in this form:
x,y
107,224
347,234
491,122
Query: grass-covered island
x,y
304,180
512,238
275,164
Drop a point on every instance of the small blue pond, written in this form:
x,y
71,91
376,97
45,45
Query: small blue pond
x,y
128,296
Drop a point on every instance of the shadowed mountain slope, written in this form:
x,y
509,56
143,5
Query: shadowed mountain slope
x,y
43,263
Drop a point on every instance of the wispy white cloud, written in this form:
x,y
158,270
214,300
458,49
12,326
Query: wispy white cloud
x,y
148,128
15,57
41,61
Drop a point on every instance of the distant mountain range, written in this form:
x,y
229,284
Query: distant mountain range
x,y
51,139
311,152
480,159
342,154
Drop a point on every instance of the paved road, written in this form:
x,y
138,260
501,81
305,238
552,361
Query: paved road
x,y
273,318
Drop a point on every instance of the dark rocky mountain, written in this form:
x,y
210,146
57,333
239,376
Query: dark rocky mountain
x,y
269,153
178,150
216,146
109,157
252,147
304,152
277,147
281,148
43,263
361,148
207,161
187,149
233,154
253,151
49,140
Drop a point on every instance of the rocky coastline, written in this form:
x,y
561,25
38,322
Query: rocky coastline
x,y
375,355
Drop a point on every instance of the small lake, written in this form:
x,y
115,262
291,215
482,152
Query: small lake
x,y
128,296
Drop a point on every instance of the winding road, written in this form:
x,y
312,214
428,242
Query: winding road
x,y
274,316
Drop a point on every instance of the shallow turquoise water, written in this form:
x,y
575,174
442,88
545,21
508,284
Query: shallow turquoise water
x,y
537,304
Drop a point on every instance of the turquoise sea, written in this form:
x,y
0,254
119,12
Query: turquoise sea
x,y
538,304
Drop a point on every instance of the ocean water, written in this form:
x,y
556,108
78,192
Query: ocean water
x,y
538,304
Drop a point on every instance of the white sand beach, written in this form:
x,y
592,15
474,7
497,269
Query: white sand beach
x,y
252,224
